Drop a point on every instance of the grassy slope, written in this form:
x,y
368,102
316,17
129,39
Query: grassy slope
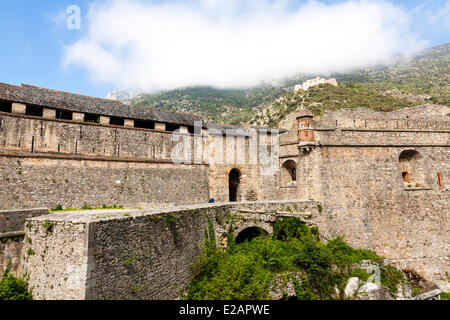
x,y
229,106
427,77
319,99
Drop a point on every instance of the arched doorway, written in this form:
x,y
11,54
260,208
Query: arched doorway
x,y
234,180
250,233
289,173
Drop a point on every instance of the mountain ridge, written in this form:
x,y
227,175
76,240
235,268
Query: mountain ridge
x,y
424,79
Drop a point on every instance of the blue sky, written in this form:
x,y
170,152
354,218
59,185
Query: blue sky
x,y
34,36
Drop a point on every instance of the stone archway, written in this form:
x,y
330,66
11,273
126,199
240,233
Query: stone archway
x,y
234,182
249,234
289,173
250,230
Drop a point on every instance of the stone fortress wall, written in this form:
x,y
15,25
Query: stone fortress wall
x,y
94,159
251,153
135,254
50,155
382,178
50,162
364,181
12,234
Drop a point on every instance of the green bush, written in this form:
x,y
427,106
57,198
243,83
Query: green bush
x,y
291,228
445,295
391,277
246,270
12,288
170,219
316,259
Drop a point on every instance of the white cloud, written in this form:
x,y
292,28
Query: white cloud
x,y
148,46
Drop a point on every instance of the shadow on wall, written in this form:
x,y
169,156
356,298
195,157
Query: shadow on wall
x,y
412,167
250,233
234,181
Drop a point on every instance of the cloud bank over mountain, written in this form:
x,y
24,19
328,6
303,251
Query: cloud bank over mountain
x,y
149,46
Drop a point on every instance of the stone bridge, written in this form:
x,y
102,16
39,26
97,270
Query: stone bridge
x,y
137,254
244,217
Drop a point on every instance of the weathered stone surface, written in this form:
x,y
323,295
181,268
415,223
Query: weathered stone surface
x,y
132,254
431,295
371,291
74,102
356,173
74,183
404,292
352,287
353,168
284,286
12,227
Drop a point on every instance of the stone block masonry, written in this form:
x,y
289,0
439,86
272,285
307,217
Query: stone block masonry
x,y
12,231
44,163
30,135
366,199
28,182
132,254
383,179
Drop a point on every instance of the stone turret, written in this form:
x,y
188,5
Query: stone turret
x,y
305,130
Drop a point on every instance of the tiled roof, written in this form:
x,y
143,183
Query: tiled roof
x,y
28,94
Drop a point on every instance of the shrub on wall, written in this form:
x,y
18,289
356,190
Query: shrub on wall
x,y
12,288
245,271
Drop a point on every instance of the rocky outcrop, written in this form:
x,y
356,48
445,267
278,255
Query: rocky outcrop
x,y
284,285
358,290
352,287
431,295
372,291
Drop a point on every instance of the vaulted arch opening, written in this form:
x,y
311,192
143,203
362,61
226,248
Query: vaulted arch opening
x,y
250,233
234,181
289,172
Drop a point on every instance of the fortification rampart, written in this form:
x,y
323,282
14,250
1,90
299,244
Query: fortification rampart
x,y
253,155
49,162
395,124
379,137
22,133
386,189
29,183
137,254
368,199
12,231
425,117
383,179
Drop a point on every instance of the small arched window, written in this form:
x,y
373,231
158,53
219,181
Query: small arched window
x,y
289,172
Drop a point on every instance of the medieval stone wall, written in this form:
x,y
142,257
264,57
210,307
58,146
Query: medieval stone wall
x,y
256,160
367,190
56,258
383,137
44,163
134,254
30,183
366,199
12,230
19,133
